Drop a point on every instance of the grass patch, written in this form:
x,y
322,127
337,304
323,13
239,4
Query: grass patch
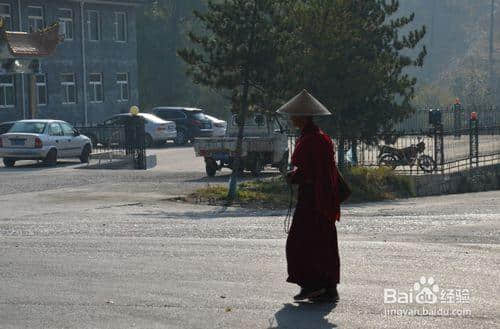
x,y
378,184
367,185
266,193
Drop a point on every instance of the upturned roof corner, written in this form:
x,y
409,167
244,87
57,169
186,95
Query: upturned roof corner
x,y
36,44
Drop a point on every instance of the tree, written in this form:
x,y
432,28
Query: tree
x,y
352,56
470,81
355,61
235,54
433,96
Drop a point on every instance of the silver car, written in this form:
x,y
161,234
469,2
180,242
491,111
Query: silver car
x,y
157,130
219,126
46,140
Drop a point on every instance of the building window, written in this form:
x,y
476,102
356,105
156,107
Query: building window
x,y
5,15
66,23
41,89
95,88
94,25
35,18
69,88
120,27
122,81
7,91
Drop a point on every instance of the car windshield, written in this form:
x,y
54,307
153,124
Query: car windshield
x,y
28,127
5,127
198,116
152,118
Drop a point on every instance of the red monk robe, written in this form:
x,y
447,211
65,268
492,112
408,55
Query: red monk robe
x,y
311,248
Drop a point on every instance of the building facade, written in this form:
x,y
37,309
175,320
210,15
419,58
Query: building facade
x,y
93,73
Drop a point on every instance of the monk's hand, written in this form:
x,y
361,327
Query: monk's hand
x,y
288,177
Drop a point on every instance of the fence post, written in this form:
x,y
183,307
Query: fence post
x,y
439,146
473,140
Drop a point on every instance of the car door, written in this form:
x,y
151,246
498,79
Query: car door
x,y
56,138
74,143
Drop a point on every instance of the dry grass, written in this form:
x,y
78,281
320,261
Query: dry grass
x,y
273,193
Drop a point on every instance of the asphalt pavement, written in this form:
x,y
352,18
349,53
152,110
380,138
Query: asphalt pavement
x,y
108,249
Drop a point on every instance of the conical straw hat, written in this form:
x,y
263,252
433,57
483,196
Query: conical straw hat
x,y
304,104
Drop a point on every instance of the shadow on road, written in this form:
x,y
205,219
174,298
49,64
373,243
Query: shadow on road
x,y
23,166
225,177
220,212
304,315
170,146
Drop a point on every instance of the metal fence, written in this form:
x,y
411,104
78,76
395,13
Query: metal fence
x,y
418,122
118,142
436,150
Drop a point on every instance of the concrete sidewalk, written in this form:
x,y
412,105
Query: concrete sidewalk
x,y
122,260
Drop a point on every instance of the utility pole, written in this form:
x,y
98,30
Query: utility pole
x,y
33,96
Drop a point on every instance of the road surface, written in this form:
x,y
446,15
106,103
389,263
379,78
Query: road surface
x,y
107,249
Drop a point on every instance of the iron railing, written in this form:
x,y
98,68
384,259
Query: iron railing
x,y
118,141
436,150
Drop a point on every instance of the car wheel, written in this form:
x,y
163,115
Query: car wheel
x,y
84,157
181,138
9,162
51,158
149,141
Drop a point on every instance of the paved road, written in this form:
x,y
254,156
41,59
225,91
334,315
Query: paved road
x,y
178,171
106,249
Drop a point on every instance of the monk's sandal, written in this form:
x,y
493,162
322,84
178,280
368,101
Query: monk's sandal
x,y
308,293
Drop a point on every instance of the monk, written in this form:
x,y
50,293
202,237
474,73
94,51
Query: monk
x,y
312,248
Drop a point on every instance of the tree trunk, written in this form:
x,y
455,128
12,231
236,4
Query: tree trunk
x,y
233,183
242,116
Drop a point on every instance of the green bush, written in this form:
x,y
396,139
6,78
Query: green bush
x,y
375,184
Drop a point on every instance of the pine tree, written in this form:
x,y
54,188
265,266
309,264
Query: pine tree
x,y
352,55
235,53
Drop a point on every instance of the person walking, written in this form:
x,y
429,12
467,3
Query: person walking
x,y
312,249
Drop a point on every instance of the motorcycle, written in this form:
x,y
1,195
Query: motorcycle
x,y
393,157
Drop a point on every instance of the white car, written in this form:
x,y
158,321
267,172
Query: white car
x,y
219,126
46,140
157,130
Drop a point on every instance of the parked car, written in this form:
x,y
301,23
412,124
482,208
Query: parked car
x,y
157,130
46,140
5,126
191,122
219,126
